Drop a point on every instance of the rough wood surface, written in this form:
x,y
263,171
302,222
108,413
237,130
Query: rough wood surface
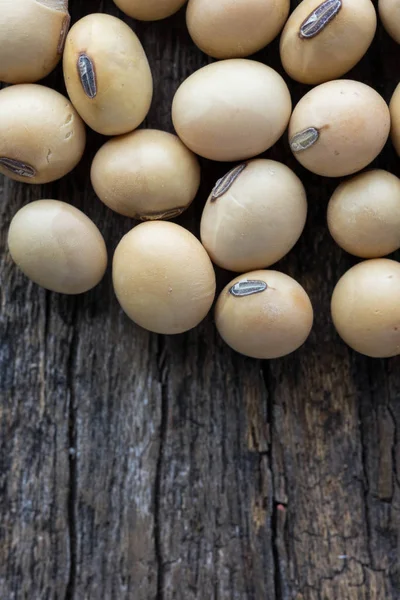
x,y
136,467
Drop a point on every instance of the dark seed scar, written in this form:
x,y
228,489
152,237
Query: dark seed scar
x,y
248,287
87,75
166,214
63,33
223,184
17,167
320,18
304,139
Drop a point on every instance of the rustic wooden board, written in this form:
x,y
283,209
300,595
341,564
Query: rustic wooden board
x,y
140,467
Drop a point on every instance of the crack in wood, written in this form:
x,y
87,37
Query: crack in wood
x,y
72,463
159,468
394,445
365,472
275,532
47,317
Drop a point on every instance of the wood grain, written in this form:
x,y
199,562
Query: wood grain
x,y
137,467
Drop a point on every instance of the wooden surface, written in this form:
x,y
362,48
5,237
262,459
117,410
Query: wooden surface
x,y
140,467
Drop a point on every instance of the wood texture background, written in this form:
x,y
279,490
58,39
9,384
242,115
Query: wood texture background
x,y
140,467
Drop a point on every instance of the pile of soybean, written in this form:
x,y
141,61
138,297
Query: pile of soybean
x,y
234,109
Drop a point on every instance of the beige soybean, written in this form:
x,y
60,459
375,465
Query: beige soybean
x,y
395,119
366,309
42,137
324,40
149,10
146,174
57,246
264,314
231,110
163,277
254,216
364,214
389,12
339,127
235,28
32,35
107,74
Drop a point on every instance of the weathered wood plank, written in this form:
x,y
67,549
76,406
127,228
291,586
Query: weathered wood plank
x,y
35,403
140,467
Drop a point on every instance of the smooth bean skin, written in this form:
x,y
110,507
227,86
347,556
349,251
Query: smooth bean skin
x,y
338,46
107,74
351,124
146,175
32,36
259,218
57,246
231,110
364,214
235,28
149,10
163,277
42,137
366,310
268,324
